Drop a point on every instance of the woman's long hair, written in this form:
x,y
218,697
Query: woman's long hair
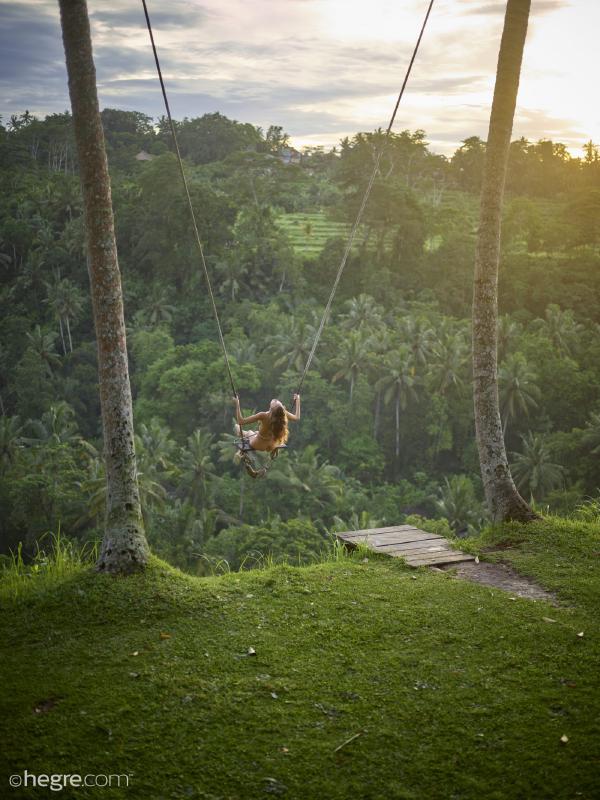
x,y
279,425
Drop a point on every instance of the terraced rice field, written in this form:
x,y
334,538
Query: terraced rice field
x,y
308,231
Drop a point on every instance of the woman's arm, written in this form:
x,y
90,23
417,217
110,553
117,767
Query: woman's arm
x,y
296,414
246,420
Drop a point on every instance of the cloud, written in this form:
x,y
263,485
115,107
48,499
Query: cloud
x,y
320,68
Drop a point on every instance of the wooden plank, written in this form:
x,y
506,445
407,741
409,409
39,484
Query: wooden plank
x,y
421,561
432,542
440,548
381,539
417,547
390,529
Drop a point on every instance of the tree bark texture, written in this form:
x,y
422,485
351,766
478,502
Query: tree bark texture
x,y
124,547
504,501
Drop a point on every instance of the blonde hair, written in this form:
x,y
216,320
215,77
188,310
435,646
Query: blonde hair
x,y
279,425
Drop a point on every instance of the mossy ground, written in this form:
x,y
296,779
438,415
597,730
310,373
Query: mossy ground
x,y
457,690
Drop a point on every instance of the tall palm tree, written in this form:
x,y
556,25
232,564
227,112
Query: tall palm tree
x,y
399,383
65,300
54,300
72,303
448,364
158,447
124,547
42,345
417,333
446,375
232,273
316,482
533,469
561,328
56,426
352,358
519,392
363,311
159,309
503,499
197,466
292,343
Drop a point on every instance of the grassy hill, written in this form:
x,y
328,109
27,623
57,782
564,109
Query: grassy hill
x,y
345,679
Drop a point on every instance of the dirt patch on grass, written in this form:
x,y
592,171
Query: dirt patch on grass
x,y
502,576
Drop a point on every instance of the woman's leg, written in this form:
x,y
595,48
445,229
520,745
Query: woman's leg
x,y
249,436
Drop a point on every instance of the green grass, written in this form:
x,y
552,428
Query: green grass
x,y
457,691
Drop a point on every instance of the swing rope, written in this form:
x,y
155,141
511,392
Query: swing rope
x,y
349,243
363,204
190,205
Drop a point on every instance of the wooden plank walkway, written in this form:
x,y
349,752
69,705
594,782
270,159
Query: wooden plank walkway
x,y
417,547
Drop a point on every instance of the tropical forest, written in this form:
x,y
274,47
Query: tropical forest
x,y
387,430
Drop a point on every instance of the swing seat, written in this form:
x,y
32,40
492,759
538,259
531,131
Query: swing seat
x,y
244,449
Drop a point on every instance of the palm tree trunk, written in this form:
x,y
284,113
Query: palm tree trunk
x,y
69,335
124,547
62,336
502,496
377,414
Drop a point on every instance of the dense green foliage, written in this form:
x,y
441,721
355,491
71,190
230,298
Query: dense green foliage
x,y
387,428
347,678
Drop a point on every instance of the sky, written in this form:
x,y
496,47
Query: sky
x,y
322,69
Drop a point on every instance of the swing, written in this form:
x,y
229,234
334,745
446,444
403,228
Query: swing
x,y
249,458
246,452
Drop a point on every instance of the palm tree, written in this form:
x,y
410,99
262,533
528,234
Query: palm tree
x,y
42,345
533,469
457,502
232,273
503,499
352,359
446,375
56,426
197,466
561,328
418,334
399,383
316,481
244,351
518,391
157,446
159,310
124,547
363,312
292,343
54,300
72,303
447,369
64,298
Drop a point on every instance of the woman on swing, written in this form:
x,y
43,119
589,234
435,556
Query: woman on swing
x,y
273,430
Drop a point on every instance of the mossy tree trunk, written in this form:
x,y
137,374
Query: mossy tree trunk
x,y
124,547
504,501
